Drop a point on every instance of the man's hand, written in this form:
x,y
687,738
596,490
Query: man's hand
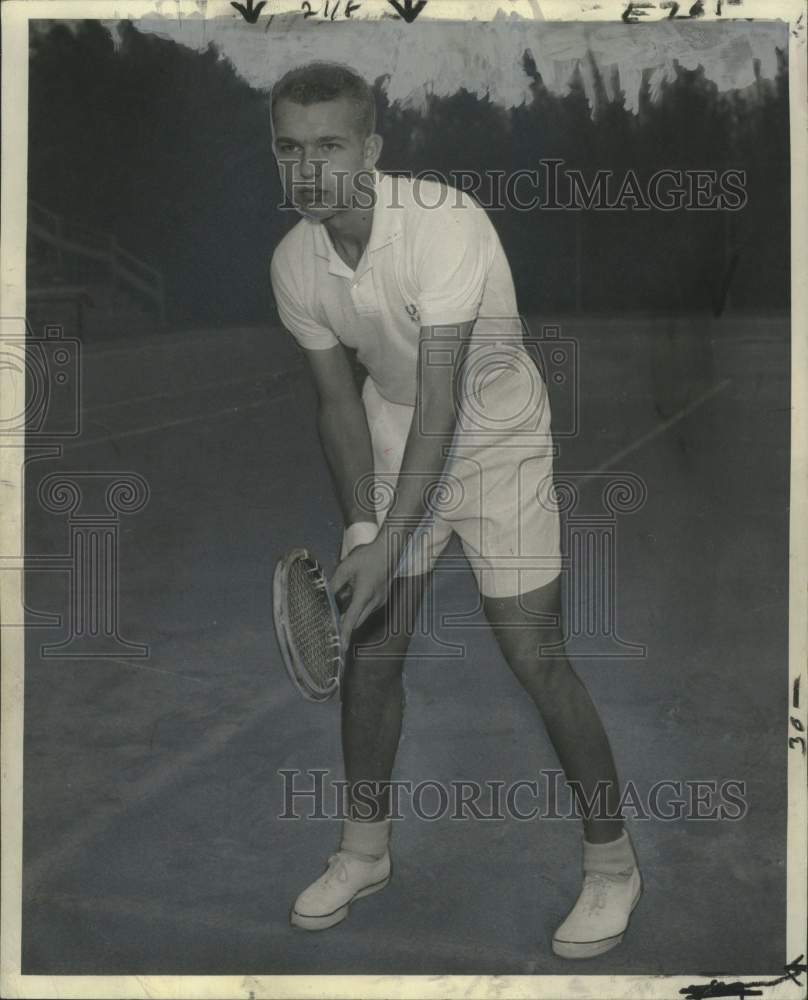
x,y
358,533
367,570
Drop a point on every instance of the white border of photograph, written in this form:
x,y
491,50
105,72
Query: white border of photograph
x,y
15,51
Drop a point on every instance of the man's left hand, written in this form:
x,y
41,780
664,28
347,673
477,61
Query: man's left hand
x,y
368,571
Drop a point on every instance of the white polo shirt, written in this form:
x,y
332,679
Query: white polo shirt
x,y
433,258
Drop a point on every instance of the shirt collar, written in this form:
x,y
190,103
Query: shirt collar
x,y
387,226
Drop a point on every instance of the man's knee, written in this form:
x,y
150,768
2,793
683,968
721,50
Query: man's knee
x,y
388,631
523,618
529,631
377,654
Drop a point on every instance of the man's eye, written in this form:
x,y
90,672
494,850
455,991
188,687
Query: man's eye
x,y
330,145
286,147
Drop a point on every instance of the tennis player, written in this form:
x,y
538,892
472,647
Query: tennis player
x,y
452,426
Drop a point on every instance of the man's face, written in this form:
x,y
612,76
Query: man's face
x,y
320,152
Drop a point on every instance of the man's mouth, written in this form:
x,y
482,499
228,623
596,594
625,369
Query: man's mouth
x,y
308,193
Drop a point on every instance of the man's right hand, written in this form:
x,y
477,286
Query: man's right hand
x,y
358,533
361,584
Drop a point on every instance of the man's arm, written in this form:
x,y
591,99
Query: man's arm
x,y
453,250
370,569
343,429
341,417
432,429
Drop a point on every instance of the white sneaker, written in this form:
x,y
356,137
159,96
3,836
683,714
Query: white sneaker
x,y
327,900
599,919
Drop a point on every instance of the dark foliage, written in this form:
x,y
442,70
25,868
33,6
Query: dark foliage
x,y
169,150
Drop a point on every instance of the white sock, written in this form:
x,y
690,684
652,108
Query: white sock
x,y
613,858
367,840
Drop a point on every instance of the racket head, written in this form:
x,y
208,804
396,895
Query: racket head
x,y
307,625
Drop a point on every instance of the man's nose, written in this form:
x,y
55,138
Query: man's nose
x,y
306,168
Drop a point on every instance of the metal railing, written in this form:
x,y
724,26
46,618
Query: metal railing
x,y
82,244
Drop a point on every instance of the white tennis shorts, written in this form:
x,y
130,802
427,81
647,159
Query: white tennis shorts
x,y
496,490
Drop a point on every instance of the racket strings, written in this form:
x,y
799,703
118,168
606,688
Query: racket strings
x,y
311,623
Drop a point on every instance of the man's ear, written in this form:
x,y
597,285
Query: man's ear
x,y
373,150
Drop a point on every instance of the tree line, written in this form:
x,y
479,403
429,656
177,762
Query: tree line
x,y
169,149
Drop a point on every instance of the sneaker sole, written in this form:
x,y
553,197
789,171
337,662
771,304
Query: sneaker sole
x,y
321,923
591,949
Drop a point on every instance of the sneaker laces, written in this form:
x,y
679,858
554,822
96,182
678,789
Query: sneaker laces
x,y
596,888
337,868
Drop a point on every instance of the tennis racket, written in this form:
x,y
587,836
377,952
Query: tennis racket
x,y
307,625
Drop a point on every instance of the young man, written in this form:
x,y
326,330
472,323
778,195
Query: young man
x,y
452,429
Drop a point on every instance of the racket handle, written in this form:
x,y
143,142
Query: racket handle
x,y
343,597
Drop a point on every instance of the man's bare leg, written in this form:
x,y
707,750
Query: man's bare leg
x,y
569,715
372,710
373,695
612,884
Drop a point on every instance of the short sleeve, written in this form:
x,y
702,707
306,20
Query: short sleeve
x,y
455,248
292,310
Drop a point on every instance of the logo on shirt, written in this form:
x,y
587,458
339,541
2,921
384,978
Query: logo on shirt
x,y
412,312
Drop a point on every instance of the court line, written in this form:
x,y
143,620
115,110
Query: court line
x,y
258,381
134,663
179,422
151,784
661,428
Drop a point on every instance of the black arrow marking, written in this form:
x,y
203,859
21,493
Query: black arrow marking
x,y
407,9
249,13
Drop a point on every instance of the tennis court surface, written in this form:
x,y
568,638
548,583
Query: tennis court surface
x,y
152,837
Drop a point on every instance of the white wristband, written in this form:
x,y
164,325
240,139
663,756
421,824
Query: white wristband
x,y
359,533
